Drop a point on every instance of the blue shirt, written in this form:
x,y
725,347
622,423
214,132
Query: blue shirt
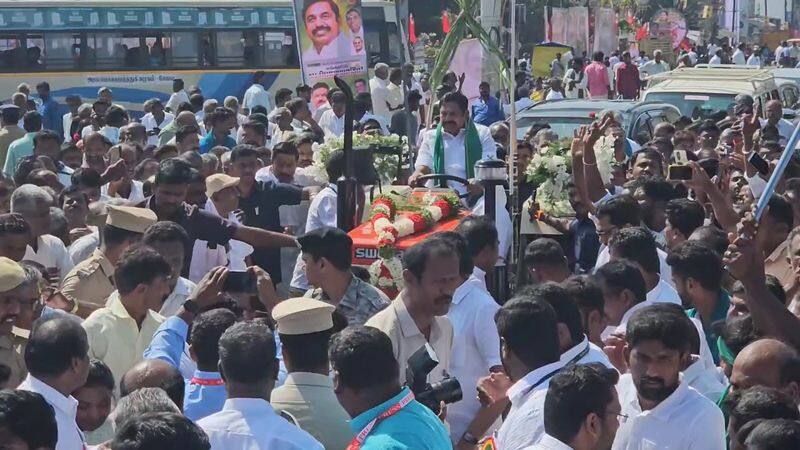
x,y
201,398
487,112
208,142
51,116
413,427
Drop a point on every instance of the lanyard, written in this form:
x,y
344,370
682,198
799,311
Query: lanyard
x,y
571,362
207,381
359,439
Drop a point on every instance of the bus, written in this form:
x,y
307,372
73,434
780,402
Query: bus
x,y
137,48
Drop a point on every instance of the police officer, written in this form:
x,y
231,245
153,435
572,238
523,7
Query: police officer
x,y
305,326
328,255
87,286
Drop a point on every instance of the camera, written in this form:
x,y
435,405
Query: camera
x,y
420,364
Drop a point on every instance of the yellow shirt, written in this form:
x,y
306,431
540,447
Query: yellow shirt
x,y
406,338
90,281
11,357
114,337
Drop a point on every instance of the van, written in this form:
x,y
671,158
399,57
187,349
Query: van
x,y
703,92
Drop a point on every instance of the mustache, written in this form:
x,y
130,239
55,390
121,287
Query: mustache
x,y
652,380
320,28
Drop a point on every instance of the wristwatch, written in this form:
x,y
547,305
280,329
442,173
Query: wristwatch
x,y
469,438
191,306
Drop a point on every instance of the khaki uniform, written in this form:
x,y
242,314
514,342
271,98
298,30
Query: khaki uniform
x,y
90,282
309,398
12,349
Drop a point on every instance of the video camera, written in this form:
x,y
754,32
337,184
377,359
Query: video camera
x,y
420,365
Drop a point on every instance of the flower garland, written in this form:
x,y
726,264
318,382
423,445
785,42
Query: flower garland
x,y
390,225
550,169
385,165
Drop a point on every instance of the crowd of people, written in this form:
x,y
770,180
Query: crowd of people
x,y
624,74
179,281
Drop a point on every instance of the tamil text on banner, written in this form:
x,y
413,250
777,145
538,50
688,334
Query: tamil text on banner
x,y
331,40
468,60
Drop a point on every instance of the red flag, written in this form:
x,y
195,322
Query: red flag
x,y
445,22
412,30
643,31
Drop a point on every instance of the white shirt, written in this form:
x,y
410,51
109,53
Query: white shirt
x,y
331,51
51,253
704,380
594,354
317,113
549,443
70,436
150,122
754,60
379,89
785,130
454,152
738,58
256,95
663,293
651,68
331,124
136,195
524,424
66,123
65,175
476,348
715,60
180,293
321,213
684,420
623,323
252,424
176,99
554,95
664,269
84,246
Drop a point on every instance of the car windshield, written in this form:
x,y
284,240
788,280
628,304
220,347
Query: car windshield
x,y
563,126
696,106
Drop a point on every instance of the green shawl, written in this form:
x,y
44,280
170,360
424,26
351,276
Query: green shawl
x,y
473,150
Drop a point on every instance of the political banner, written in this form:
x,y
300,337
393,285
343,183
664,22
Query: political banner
x,y
330,36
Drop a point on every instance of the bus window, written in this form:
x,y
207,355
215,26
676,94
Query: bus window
x,y
230,49
65,51
182,49
372,36
120,50
156,48
395,45
277,53
35,51
11,54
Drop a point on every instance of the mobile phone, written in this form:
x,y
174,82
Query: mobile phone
x,y
759,163
679,173
240,282
680,170
710,165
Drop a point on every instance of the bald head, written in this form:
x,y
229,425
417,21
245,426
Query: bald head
x,y
154,373
767,362
186,118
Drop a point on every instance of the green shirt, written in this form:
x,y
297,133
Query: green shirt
x,y
720,313
18,149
